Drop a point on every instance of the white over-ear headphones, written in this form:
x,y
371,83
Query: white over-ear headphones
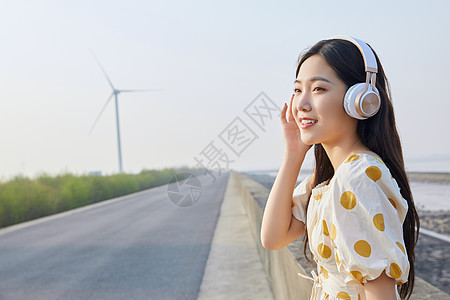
x,y
362,100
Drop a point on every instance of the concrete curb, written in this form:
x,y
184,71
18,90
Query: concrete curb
x,y
234,269
283,265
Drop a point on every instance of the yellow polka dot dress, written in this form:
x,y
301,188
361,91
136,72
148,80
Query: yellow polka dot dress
x,y
354,226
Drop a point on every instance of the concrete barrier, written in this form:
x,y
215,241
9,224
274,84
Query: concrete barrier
x,y
282,265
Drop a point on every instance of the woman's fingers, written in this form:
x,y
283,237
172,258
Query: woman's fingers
x,y
290,114
283,114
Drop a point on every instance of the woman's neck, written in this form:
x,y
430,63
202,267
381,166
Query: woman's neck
x,y
337,153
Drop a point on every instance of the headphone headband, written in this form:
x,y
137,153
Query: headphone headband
x,y
370,61
362,100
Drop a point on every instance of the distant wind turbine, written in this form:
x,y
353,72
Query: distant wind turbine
x,y
115,93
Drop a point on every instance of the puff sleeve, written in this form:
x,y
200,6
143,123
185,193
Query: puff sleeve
x,y
300,198
367,220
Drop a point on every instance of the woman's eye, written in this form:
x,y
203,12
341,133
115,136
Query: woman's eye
x,y
319,89
297,91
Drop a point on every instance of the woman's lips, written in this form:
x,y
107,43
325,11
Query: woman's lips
x,y
306,123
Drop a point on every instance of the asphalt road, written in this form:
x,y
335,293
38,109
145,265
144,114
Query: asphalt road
x,y
141,247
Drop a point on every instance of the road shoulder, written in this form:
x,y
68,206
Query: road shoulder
x,y
234,269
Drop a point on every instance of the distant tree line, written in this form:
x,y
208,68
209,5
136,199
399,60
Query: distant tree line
x,y
23,199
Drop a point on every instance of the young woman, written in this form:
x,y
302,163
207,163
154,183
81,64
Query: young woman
x,y
356,208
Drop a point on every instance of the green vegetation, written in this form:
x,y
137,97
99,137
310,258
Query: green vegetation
x,y
23,199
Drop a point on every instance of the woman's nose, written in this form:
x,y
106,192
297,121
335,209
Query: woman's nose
x,y
303,103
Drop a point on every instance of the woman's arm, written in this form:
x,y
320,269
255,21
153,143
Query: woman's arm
x,y
279,227
382,288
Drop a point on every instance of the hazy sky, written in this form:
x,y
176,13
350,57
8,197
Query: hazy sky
x,y
211,58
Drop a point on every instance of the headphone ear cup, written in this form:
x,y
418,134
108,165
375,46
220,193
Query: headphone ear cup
x,y
369,103
350,100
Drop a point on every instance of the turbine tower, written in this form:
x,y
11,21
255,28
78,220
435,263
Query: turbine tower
x,y
115,93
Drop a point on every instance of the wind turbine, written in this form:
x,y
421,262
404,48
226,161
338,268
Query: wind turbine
x,y
115,93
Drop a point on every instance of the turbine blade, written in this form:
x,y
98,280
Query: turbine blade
x,y
145,90
98,117
103,70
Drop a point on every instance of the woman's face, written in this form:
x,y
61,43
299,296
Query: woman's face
x,y
318,104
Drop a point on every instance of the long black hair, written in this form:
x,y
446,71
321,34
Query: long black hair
x,y
378,133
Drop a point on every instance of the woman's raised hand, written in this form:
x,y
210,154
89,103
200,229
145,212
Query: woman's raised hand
x,y
293,144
